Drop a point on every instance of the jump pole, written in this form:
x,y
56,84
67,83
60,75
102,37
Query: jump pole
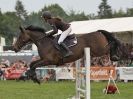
x,y
87,67
86,73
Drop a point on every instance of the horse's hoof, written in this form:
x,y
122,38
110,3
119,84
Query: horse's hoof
x,y
38,81
35,80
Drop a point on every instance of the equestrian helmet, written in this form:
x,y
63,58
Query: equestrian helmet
x,y
47,14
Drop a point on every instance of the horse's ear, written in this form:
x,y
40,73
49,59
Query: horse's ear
x,y
22,29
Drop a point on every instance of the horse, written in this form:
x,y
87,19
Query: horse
x,y
101,42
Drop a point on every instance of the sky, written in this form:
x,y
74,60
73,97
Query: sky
x,y
88,6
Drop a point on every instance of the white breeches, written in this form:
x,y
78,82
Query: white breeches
x,y
64,35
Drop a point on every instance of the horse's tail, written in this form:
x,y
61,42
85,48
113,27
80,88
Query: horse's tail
x,y
112,42
109,36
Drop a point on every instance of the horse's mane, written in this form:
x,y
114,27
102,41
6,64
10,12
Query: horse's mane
x,y
35,28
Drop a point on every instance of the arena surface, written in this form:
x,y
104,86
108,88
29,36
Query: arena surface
x,y
58,90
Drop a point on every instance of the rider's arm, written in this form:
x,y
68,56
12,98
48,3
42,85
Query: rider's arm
x,y
54,29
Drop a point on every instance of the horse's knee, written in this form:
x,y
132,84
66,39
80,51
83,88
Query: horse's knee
x,y
32,67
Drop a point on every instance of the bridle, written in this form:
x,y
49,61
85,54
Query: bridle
x,y
26,44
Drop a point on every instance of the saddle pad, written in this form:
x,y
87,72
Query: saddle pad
x,y
70,41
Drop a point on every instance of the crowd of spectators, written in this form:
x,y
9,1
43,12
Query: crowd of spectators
x,y
105,60
6,67
101,61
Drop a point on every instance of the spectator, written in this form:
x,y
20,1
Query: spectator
x,y
5,62
105,60
95,61
2,73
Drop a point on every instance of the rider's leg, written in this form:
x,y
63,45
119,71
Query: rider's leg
x,y
62,38
68,51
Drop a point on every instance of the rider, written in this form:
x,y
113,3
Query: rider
x,y
58,24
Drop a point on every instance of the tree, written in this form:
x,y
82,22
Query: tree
x,y
129,12
1,23
20,10
73,16
105,10
9,25
119,13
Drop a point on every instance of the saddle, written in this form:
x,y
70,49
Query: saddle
x,y
70,41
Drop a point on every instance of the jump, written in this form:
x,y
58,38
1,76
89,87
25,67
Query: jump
x,y
101,42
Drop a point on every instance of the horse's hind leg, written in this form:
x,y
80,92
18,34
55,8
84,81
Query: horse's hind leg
x,y
32,73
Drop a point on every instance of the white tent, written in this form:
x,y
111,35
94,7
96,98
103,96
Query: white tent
x,y
111,25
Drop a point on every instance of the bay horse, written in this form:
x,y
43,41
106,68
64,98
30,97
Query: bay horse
x,y
100,42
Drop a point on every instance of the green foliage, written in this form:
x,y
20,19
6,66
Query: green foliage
x,y
105,10
20,10
129,12
9,25
73,16
119,13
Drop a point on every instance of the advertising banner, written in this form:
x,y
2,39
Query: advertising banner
x,y
102,73
64,73
126,73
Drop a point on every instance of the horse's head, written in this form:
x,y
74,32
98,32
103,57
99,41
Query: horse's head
x,y
22,40
30,34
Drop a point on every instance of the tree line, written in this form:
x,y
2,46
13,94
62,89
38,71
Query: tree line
x,y
10,21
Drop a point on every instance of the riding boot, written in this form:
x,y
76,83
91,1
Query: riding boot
x,y
68,53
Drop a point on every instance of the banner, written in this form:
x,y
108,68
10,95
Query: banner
x,y
126,73
64,73
102,73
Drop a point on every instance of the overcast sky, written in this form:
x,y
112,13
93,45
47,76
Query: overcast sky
x,y
88,6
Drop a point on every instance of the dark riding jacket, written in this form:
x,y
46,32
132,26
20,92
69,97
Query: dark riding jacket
x,y
56,24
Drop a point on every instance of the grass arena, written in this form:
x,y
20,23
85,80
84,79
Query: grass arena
x,y
11,89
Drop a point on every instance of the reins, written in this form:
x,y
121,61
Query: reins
x,y
40,38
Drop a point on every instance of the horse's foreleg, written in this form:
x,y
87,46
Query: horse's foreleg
x,y
36,64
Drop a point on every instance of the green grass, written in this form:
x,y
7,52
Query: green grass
x,y
58,90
